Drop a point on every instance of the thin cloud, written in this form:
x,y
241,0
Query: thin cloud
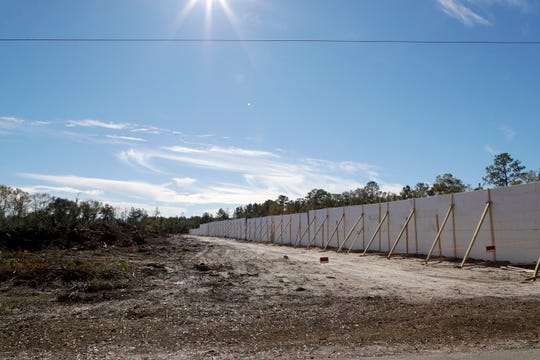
x,y
183,150
11,119
40,123
96,123
264,174
491,150
508,132
61,189
8,123
457,10
523,5
182,182
148,130
126,138
240,152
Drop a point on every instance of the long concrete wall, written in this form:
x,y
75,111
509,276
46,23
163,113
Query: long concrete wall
x,y
510,230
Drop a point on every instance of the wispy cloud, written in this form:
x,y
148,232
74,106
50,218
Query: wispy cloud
x,y
240,152
126,138
183,149
475,12
458,10
523,5
61,189
490,150
262,171
11,120
9,123
186,181
508,132
96,123
40,123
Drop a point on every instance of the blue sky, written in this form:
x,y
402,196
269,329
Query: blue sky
x,y
192,127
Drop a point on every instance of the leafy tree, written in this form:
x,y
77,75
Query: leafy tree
x,y
89,211
505,171
530,177
107,213
64,212
318,199
372,192
422,190
448,184
406,192
222,214
239,212
137,217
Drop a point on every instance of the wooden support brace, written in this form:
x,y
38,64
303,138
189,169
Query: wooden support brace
x,y
356,238
350,232
316,233
267,232
334,232
228,229
375,233
536,269
282,229
476,232
411,214
299,240
438,237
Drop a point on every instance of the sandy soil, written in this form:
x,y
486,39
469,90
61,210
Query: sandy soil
x,y
188,297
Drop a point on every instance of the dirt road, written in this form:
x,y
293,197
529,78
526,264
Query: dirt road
x,y
187,297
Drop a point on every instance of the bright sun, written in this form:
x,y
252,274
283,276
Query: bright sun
x,y
209,5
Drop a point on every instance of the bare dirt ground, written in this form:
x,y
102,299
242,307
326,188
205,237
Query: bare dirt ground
x,y
189,297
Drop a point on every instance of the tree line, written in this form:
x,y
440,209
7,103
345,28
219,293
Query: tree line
x,y
505,171
45,216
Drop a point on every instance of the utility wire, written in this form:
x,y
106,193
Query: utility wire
x,y
202,40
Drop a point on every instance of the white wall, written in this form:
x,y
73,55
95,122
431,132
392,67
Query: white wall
x,y
514,227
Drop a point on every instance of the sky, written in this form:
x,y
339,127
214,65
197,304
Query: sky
x,y
197,126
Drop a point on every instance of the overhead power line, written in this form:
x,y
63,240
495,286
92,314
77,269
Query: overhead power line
x,y
202,40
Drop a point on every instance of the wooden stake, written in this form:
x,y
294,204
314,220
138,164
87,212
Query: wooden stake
x,y
316,233
355,238
350,232
437,223
363,232
290,229
411,214
494,253
379,219
438,237
388,226
415,227
305,231
536,269
454,229
334,232
281,229
375,234
476,232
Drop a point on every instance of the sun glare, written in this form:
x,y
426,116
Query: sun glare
x,y
209,8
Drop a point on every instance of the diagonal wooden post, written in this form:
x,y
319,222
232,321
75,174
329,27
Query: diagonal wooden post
x,y
299,240
316,233
282,229
476,232
375,233
438,237
411,214
536,269
356,238
350,232
334,232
